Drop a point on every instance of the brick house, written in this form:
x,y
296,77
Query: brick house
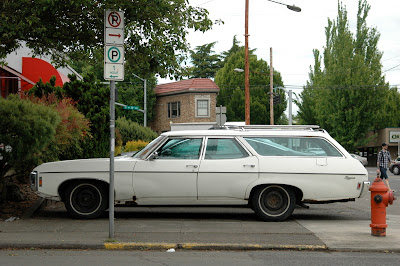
x,y
186,101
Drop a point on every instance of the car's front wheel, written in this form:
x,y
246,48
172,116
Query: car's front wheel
x,y
396,170
274,202
86,200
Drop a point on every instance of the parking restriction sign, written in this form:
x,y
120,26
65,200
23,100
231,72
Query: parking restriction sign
x,y
113,48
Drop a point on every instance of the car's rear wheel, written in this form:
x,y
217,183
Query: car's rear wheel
x,y
274,202
86,200
396,170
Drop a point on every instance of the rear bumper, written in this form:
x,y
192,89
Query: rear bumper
x,y
364,187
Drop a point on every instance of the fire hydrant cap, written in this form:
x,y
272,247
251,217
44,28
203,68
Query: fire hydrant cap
x,y
378,186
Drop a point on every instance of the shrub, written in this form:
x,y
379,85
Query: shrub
x,y
27,128
133,131
135,145
92,100
73,128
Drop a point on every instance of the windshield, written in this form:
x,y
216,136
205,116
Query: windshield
x,y
146,150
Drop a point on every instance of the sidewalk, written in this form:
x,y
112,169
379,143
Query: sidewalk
x,y
217,232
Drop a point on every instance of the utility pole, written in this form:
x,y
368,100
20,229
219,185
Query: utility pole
x,y
145,99
271,90
290,108
246,66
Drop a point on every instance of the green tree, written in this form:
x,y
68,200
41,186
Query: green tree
x,y
26,129
349,96
231,92
205,62
131,92
235,48
155,31
93,101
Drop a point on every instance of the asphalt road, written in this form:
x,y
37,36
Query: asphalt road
x,y
229,258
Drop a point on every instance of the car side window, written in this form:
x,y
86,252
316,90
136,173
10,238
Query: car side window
x,y
293,146
180,148
224,148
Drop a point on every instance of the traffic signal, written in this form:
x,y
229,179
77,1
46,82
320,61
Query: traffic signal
x,y
277,99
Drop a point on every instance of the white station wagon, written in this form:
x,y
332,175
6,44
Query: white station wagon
x,y
271,169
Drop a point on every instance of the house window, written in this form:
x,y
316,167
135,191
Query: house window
x,y
174,109
203,107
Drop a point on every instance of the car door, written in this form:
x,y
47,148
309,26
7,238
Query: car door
x,y
225,171
171,177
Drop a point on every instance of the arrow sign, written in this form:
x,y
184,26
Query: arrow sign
x,y
114,72
114,36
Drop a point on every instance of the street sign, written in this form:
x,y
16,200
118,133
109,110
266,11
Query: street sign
x,y
114,54
114,36
114,72
114,19
127,107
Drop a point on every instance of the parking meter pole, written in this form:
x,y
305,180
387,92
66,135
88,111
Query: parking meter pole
x,y
112,151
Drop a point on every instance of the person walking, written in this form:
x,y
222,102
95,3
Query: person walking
x,y
384,159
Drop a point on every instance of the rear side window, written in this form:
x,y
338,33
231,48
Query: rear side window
x,y
224,148
293,146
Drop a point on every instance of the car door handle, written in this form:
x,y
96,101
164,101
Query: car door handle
x,y
192,165
251,165
349,177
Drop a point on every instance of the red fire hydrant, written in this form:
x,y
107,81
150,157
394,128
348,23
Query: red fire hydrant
x,y
381,197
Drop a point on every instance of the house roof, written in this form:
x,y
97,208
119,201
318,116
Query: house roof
x,y
12,71
195,85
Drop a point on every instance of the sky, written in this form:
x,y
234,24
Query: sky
x,y
294,35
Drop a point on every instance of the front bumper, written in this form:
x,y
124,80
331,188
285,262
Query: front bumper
x,y
34,180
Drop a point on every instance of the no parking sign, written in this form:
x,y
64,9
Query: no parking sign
x,y
113,49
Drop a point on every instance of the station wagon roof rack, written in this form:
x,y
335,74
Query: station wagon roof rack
x,y
271,127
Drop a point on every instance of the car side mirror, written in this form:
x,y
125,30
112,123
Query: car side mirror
x,y
153,156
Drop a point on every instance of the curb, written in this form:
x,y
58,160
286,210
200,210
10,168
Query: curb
x,y
209,246
163,246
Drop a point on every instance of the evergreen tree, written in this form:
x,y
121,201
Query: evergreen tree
x,y
349,96
231,86
235,48
205,62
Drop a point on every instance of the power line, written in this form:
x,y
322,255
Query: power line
x,y
297,87
391,68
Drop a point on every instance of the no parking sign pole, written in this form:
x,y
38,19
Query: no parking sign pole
x,y
113,71
112,151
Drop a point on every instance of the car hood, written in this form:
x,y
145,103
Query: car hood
x,y
85,165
